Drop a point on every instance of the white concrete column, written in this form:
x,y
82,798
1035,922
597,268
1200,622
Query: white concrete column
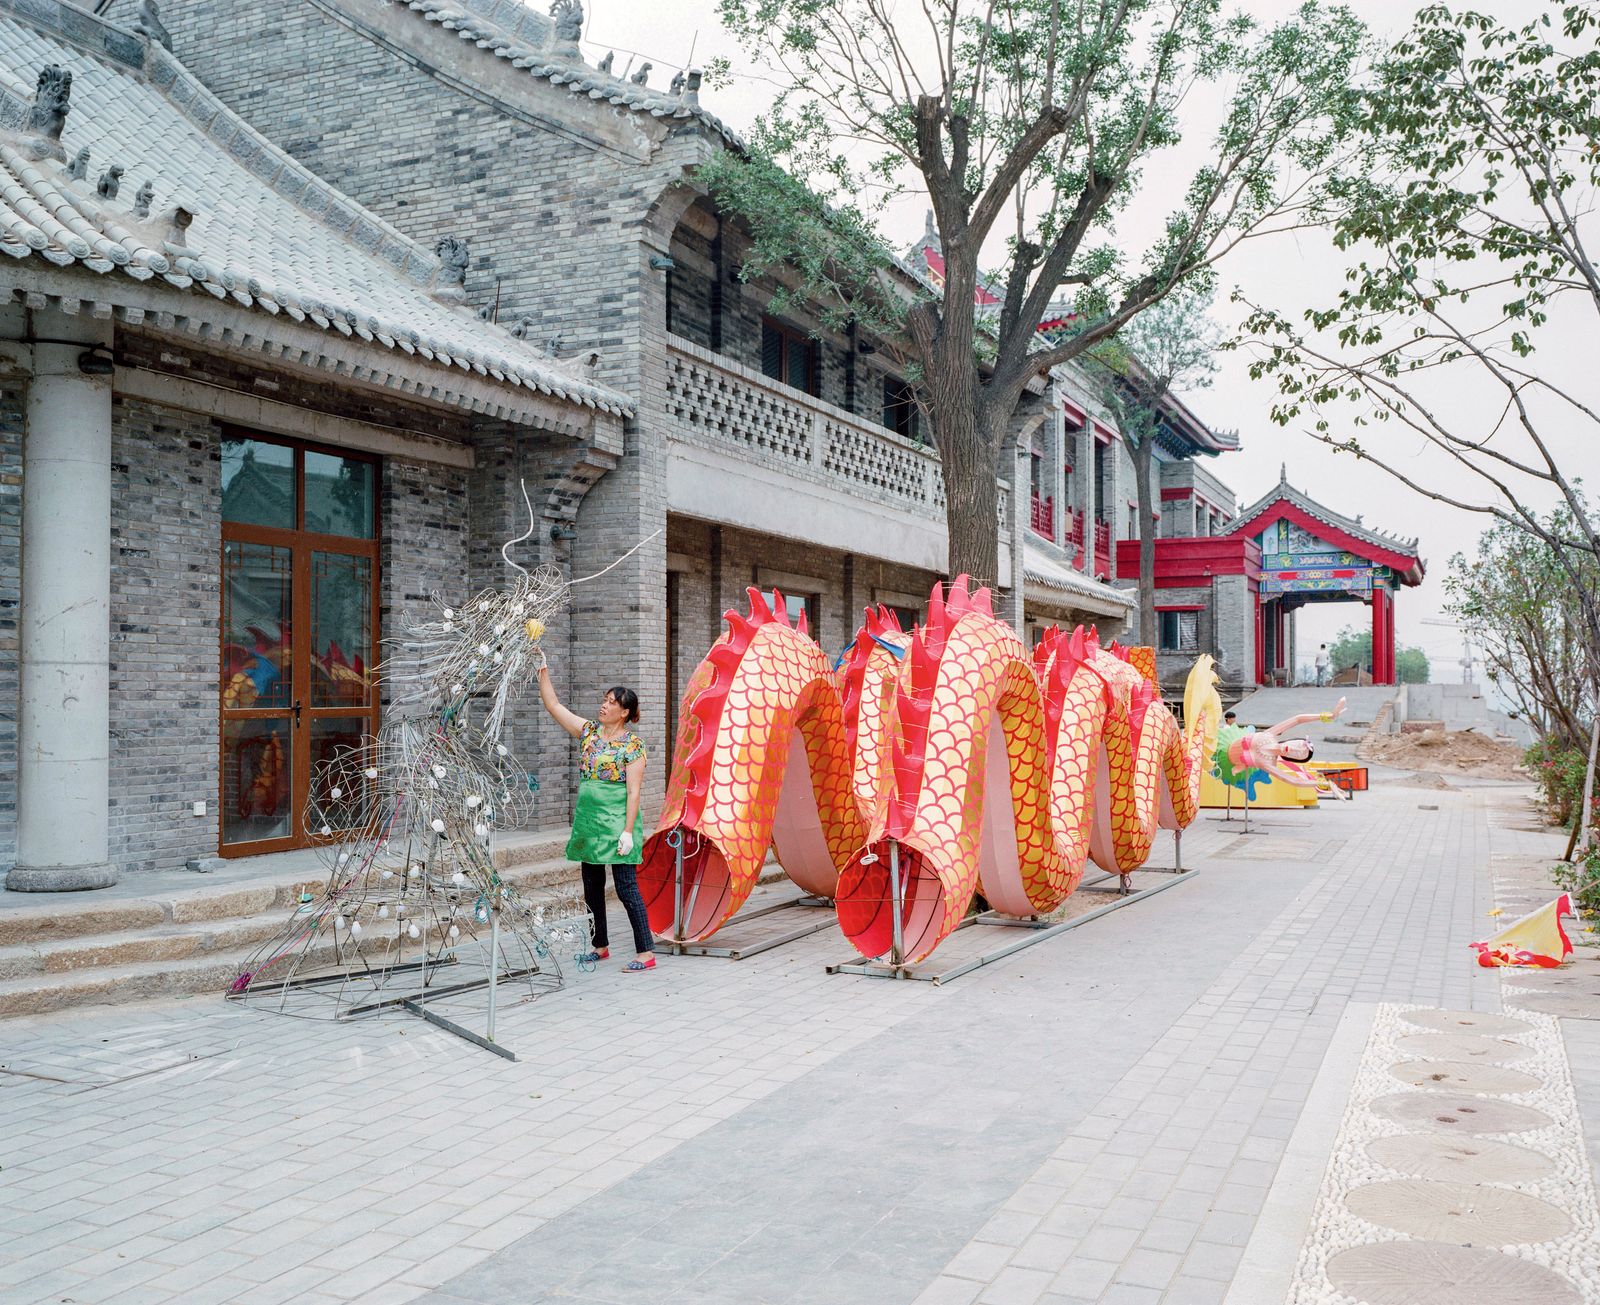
x,y
63,734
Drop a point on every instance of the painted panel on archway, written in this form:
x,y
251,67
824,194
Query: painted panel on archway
x,y
1318,580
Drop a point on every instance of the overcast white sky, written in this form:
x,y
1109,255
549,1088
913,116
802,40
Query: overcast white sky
x,y
1291,272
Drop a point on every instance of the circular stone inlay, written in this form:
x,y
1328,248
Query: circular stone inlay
x,y
1432,1273
1586,981
1462,1046
1572,1005
1461,1076
1459,1212
1466,1021
1455,1112
1472,1159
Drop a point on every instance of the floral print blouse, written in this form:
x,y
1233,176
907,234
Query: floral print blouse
x,y
600,759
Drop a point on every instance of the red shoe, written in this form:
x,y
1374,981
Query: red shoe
x,y
637,966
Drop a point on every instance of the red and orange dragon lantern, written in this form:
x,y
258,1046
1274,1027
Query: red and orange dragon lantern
x,y
924,767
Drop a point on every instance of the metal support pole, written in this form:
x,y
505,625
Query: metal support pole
x,y
494,968
675,842
896,896
1177,850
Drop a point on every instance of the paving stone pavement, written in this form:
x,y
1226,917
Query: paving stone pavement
x,y
1099,1118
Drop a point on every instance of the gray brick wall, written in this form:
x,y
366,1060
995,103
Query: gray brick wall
x,y
12,397
165,614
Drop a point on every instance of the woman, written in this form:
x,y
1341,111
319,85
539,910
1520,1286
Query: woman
x,y
610,776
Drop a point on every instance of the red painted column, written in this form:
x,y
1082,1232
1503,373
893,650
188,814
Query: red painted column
x,y
1388,630
1377,635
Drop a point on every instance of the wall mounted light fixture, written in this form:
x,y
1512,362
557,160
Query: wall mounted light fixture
x,y
96,361
562,532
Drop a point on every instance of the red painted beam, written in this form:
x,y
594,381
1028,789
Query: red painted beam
x,y
1408,565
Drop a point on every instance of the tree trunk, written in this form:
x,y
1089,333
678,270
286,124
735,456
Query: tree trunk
x,y
1148,634
1586,803
971,498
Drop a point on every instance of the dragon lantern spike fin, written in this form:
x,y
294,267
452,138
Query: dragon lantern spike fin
x,y
983,601
760,613
936,613
780,608
800,623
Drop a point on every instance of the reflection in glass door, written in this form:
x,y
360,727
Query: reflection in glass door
x,y
299,630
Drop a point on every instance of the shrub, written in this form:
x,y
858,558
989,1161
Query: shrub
x,y
1559,772
1582,879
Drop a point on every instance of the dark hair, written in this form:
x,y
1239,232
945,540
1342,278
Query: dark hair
x,y
627,699
1230,715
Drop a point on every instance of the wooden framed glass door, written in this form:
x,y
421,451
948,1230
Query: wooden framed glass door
x,y
299,629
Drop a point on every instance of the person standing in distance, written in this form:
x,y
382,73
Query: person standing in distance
x,y
611,761
1322,665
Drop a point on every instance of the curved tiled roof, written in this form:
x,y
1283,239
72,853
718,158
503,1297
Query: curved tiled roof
x,y
266,234
1403,553
513,32
1044,570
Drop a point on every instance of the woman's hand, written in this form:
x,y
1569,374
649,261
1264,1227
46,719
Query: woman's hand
x,y
625,843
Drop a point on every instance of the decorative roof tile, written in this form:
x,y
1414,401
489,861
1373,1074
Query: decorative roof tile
x,y
258,236
515,33
1041,569
1404,553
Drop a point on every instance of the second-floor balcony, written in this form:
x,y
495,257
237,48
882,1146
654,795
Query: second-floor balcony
x,y
1042,515
750,451
1102,544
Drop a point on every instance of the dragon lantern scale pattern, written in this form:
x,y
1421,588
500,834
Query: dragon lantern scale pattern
x,y
991,769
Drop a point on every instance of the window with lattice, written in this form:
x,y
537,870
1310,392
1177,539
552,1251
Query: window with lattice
x,y
789,356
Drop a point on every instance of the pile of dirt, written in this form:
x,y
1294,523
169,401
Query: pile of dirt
x,y
1460,752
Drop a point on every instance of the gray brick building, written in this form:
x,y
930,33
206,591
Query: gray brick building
x,y
245,427
436,253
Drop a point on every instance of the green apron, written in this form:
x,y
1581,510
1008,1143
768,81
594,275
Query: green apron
x,y
598,821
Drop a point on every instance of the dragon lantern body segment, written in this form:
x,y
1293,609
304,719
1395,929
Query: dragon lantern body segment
x,y
979,766
762,753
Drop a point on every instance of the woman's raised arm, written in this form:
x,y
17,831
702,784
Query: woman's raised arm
x,y
568,720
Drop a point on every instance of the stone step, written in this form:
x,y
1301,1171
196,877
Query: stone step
x,y
193,899
199,941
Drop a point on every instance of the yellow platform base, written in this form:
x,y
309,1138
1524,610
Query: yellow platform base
x,y
1214,795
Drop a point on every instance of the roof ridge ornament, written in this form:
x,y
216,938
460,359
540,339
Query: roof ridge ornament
x,y
47,116
148,24
642,77
450,281
567,16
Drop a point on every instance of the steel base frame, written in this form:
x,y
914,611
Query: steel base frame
x,y
682,947
1039,931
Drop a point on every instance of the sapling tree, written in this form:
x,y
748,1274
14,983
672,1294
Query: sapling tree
x,y
1041,134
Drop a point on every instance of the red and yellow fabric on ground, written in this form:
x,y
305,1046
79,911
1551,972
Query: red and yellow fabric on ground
x,y
978,765
1537,939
